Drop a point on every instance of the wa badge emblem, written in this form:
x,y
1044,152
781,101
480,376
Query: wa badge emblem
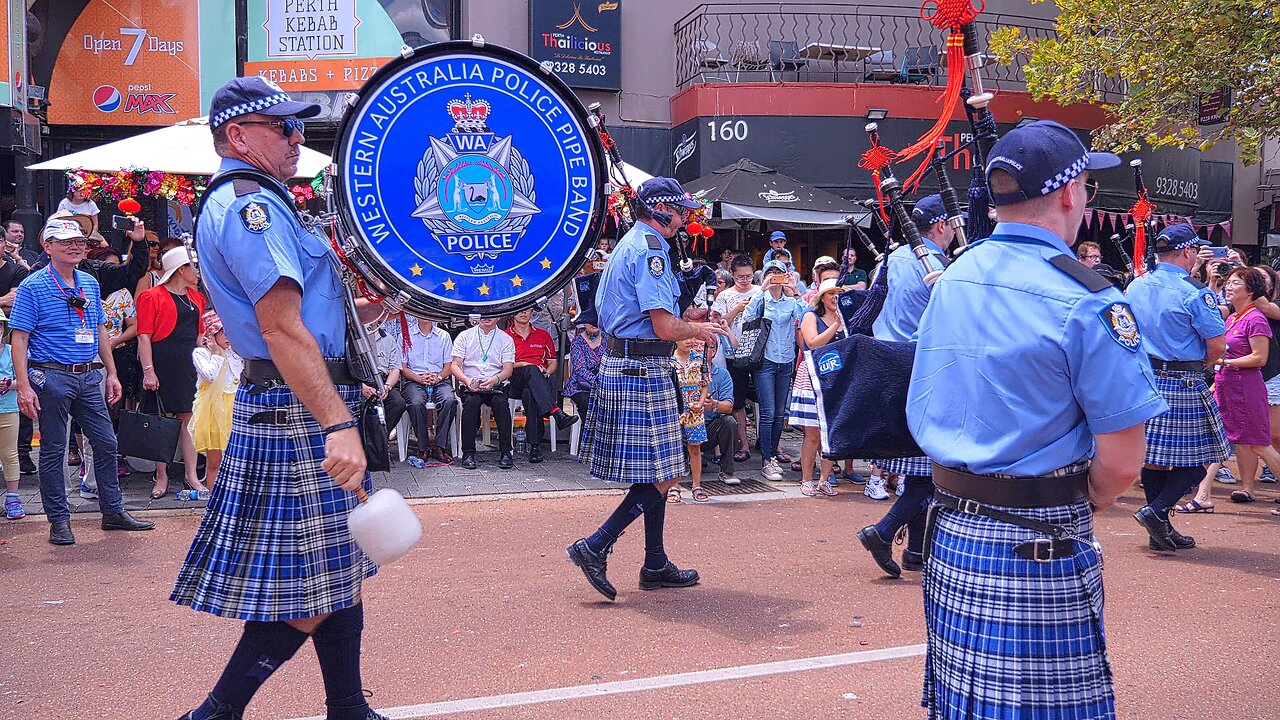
x,y
1121,325
472,177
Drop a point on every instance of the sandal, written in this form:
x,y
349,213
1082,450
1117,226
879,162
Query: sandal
x,y
1195,506
1242,496
158,494
784,458
673,496
796,466
742,455
809,488
825,488
1275,511
700,495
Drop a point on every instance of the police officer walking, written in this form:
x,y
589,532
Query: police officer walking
x,y
898,320
632,432
273,549
1183,334
1029,392
60,350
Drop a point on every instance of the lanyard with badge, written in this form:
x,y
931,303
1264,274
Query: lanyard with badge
x,y
77,303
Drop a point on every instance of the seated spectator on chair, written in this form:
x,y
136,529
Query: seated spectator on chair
x,y
483,360
722,426
585,353
388,349
530,380
425,374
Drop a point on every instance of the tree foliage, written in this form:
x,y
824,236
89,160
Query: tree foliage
x,y
1149,61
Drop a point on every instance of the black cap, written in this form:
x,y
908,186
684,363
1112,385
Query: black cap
x,y
255,94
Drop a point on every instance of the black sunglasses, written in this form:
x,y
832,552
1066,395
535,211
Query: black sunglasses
x,y
288,126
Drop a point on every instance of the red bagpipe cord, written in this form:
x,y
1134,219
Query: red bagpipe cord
x,y
1141,211
875,159
364,289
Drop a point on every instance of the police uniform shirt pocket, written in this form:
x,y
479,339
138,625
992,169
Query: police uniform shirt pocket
x,y
318,270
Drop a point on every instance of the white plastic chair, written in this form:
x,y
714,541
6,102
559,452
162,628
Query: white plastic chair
x,y
551,424
402,437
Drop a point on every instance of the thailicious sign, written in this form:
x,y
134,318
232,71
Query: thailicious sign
x,y
579,40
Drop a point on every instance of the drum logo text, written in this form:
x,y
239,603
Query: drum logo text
x,y
474,190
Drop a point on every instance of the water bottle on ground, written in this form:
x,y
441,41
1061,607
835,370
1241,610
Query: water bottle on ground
x,y
191,495
417,462
521,441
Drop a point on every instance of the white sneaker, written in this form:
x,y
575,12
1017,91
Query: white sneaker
x,y
729,479
771,471
875,488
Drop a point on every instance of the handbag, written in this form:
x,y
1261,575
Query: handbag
x,y
750,352
148,437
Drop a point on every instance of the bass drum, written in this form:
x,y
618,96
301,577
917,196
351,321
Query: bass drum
x,y
470,179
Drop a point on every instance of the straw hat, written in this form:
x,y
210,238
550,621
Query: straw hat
x,y
828,285
173,259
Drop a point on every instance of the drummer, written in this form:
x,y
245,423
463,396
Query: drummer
x,y
632,431
273,549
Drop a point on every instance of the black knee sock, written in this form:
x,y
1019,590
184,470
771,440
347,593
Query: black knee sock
x,y
634,504
1178,483
1153,482
337,643
910,504
655,520
263,647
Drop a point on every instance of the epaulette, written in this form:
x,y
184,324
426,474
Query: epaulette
x,y
655,242
1081,273
1195,283
245,186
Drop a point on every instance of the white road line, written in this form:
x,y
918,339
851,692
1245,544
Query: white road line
x,y
578,692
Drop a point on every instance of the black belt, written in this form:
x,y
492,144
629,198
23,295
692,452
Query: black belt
x,y
1176,365
1032,492
624,347
266,374
78,368
1061,542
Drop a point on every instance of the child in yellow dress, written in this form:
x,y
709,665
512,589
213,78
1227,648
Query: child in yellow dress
x,y
218,370
695,378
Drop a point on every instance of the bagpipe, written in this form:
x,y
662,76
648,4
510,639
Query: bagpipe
x,y
862,382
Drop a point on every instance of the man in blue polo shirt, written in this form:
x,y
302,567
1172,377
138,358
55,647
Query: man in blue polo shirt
x,y
60,350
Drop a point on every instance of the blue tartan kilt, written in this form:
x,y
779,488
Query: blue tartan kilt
x,y
1191,433
273,544
916,466
1011,638
632,430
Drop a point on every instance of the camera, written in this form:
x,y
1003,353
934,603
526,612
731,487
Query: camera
x,y
1224,269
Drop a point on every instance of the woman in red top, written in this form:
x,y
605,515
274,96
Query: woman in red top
x,y
168,325
530,382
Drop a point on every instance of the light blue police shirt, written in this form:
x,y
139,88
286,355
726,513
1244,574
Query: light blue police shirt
x,y
40,308
637,278
785,313
247,244
720,390
908,294
1018,365
1176,317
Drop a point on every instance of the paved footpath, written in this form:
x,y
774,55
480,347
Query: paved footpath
x,y
487,619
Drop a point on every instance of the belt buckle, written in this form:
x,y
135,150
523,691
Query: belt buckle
x,y
281,417
81,368
969,507
1047,545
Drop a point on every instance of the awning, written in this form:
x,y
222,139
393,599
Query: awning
x,y
182,149
748,191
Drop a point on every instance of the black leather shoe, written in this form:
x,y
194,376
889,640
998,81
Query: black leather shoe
x,y
912,561
593,566
669,576
880,549
25,464
535,456
504,461
125,521
60,533
1180,541
221,713
1156,528
469,461
564,420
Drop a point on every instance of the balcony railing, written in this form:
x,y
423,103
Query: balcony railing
x,y
827,42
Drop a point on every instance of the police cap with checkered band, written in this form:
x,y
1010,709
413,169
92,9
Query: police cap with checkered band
x,y
1043,157
255,94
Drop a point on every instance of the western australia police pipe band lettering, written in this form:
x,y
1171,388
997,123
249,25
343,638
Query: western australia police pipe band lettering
x,y
474,190
469,177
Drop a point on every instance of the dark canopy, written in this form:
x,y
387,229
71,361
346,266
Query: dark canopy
x,y
748,191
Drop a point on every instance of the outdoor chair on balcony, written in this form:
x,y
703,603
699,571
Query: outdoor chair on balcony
x,y
748,57
880,66
921,65
784,55
709,60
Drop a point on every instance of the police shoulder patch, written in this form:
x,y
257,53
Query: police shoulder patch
x,y
657,266
1118,318
255,217
1210,301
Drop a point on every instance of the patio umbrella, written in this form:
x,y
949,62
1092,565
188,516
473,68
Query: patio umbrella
x,y
182,149
747,191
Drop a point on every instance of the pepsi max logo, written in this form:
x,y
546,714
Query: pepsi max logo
x,y
143,103
829,362
106,98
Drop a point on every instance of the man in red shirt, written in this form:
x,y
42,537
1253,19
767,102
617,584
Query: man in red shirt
x,y
535,363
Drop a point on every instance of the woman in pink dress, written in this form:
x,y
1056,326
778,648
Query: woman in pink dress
x,y
1238,385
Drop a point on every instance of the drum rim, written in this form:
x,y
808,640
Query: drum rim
x,y
420,303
